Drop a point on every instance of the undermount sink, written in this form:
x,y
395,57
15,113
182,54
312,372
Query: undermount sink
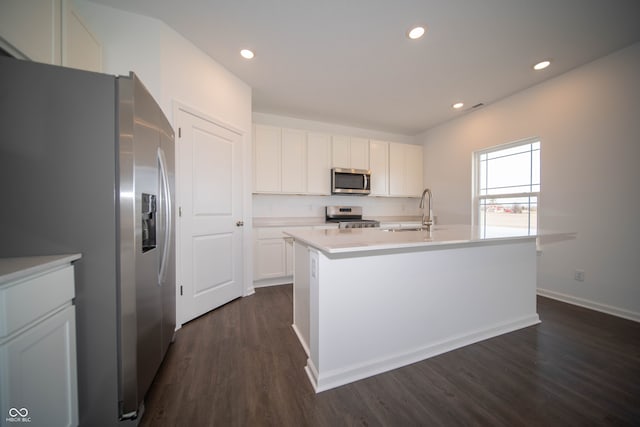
x,y
396,230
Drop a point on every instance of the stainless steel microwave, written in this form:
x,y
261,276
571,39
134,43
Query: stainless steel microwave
x,y
350,181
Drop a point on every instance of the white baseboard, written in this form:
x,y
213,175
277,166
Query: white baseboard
x,y
302,341
273,282
603,308
336,378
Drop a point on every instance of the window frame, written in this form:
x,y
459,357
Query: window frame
x,y
476,182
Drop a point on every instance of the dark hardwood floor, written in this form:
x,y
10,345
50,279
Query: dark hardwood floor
x,y
241,365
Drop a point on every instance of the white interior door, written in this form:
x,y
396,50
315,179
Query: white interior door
x,y
209,195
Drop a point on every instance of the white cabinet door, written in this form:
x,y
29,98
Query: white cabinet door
x,y
340,151
270,258
396,169
273,254
379,166
414,180
318,164
359,153
405,170
294,161
267,159
80,47
350,152
38,370
33,29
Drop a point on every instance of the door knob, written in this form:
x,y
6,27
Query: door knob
x,y
239,223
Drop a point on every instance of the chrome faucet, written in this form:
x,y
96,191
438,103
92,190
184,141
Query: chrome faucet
x,y
427,220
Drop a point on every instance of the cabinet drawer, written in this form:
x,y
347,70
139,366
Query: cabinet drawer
x,y
28,299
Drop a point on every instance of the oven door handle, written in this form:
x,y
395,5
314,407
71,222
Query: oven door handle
x,y
366,181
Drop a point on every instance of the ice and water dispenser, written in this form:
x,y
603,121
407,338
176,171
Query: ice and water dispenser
x,y
148,222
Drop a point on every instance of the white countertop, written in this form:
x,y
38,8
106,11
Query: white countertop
x,y
15,268
358,240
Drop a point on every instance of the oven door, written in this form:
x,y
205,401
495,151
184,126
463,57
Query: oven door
x,y
350,181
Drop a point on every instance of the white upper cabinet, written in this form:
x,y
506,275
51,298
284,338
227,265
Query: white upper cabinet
x,y
294,161
405,170
267,159
80,47
379,166
318,163
415,167
350,152
48,31
359,153
32,29
284,162
340,151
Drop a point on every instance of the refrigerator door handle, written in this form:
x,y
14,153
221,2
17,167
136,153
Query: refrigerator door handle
x,y
166,203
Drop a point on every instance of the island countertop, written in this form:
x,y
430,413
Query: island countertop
x,y
358,240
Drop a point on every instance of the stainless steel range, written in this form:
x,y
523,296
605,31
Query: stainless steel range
x,y
349,217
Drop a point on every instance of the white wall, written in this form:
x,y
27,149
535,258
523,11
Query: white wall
x,y
332,128
588,121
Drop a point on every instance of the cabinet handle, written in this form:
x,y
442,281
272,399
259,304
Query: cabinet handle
x,y
239,223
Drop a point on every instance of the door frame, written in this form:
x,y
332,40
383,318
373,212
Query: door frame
x,y
247,202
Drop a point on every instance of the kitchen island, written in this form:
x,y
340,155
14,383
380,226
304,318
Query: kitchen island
x,y
367,300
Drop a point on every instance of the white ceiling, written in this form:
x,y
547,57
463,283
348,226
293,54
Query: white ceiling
x,y
349,62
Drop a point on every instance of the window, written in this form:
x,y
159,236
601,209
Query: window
x,y
507,188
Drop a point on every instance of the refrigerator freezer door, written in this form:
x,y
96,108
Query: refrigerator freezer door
x,y
167,274
150,277
127,330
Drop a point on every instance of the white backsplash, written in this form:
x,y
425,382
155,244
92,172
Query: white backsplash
x,y
291,206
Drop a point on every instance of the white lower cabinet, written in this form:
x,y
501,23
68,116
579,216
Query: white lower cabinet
x,y
38,342
270,258
273,254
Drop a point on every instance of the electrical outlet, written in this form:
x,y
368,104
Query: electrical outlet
x,y
579,275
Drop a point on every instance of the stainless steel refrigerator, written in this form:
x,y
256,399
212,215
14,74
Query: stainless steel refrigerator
x,y
87,165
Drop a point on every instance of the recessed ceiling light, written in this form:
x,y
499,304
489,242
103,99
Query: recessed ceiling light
x,y
541,65
458,105
416,33
247,54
